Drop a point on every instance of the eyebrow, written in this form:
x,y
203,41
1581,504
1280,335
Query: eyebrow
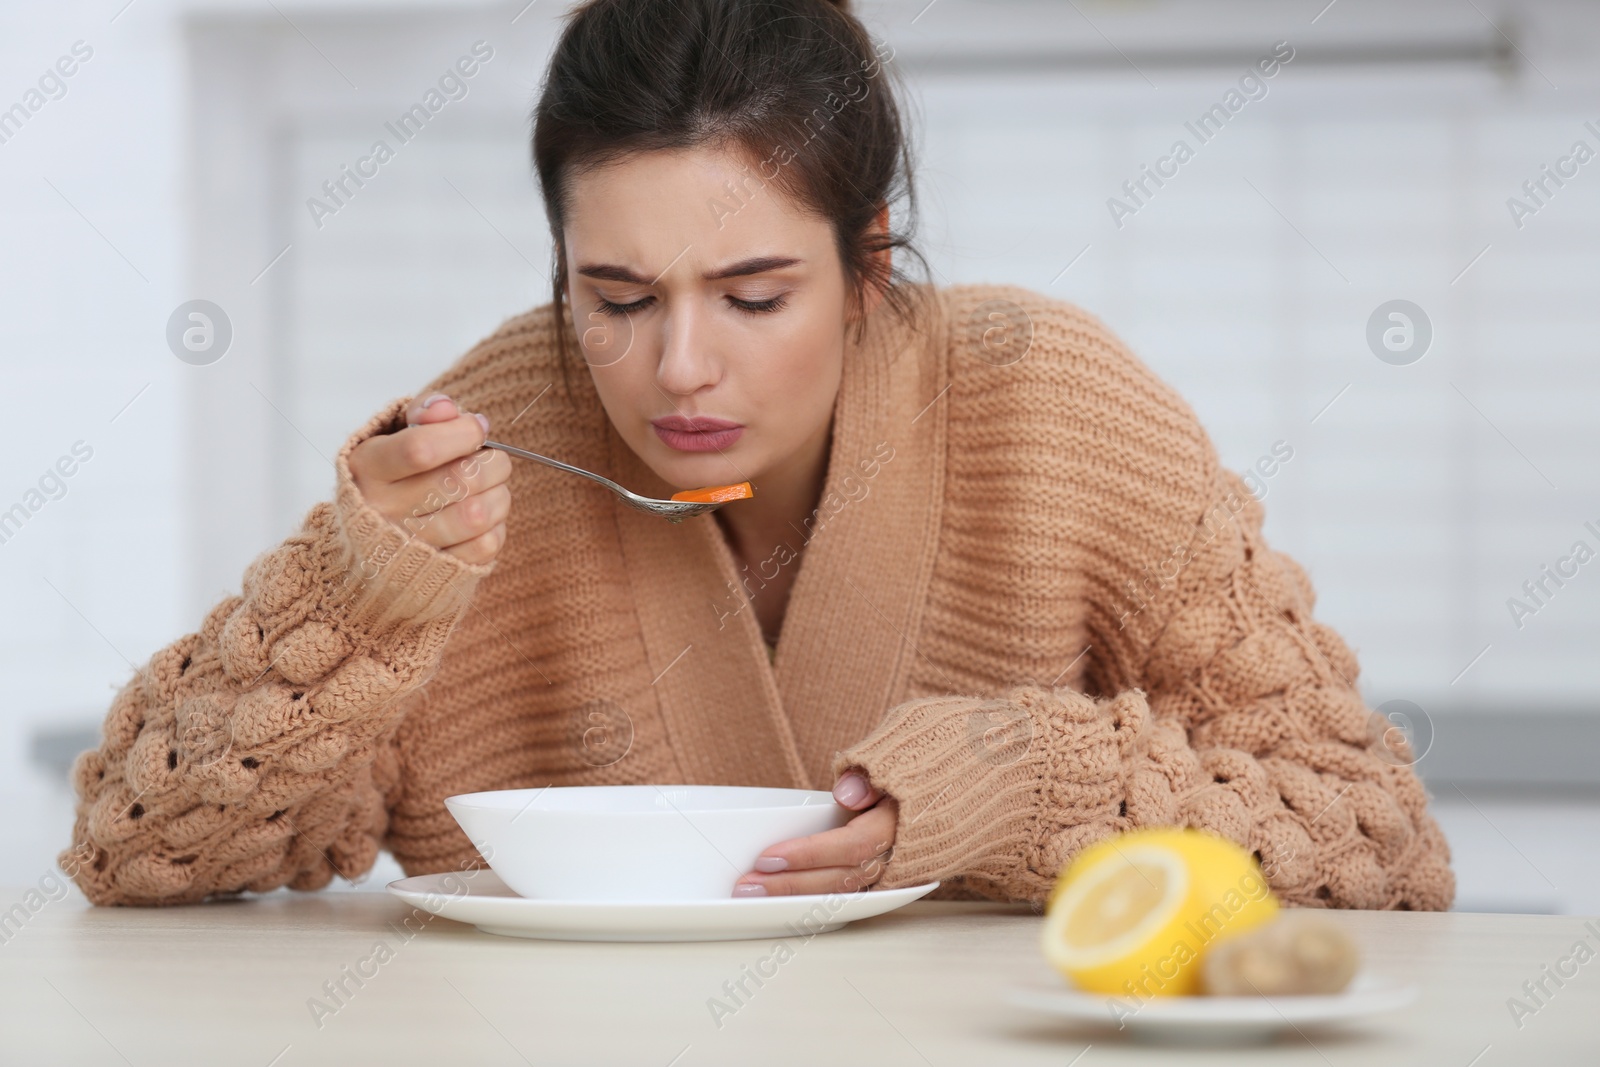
x,y
613,272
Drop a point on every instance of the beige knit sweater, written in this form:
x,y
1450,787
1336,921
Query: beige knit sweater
x,y
1031,606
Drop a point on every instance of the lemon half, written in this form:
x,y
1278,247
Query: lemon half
x,y
1135,914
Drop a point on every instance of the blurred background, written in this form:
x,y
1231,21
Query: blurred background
x,y
1381,260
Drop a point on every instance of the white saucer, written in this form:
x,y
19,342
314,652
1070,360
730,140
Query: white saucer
x,y
493,908
1216,1020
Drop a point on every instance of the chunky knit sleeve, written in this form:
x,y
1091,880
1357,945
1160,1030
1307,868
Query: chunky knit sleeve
x,y
255,753
1242,717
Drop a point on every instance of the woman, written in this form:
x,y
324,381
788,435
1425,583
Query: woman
x,y
1011,601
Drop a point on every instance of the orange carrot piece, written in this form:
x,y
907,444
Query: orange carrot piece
x,y
716,494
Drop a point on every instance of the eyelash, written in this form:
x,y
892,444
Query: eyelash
x,y
608,308
749,307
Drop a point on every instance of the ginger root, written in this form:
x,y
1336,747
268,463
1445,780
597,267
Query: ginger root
x,y
1298,952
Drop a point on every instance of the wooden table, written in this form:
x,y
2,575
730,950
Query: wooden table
x,y
235,983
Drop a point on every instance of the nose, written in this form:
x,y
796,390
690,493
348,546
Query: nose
x,y
687,364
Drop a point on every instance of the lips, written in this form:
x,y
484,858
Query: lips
x,y
693,423
697,433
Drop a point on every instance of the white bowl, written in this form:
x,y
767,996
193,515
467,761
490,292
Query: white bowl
x,y
636,842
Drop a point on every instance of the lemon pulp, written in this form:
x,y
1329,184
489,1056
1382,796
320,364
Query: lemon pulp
x,y
1134,915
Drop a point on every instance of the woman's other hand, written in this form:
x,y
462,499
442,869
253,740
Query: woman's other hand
x,y
435,480
842,860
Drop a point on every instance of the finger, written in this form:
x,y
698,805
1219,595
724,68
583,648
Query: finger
x,y
435,490
822,880
416,449
462,521
434,408
480,549
856,842
854,791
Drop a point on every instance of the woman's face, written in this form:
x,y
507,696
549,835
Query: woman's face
x,y
697,293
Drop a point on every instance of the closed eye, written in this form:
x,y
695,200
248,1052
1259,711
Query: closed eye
x,y
608,308
756,307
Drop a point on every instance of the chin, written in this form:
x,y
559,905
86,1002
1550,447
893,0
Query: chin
x,y
696,470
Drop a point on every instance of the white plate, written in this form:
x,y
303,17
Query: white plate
x,y
1216,1020
493,908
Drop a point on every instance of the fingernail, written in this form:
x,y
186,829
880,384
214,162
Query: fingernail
x,y
771,864
483,420
434,399
749,889
850,790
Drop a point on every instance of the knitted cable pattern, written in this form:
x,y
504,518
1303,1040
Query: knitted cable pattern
x,y
1252,730
256,752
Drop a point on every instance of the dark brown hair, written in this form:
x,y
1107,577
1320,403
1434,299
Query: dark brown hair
x,y
797,87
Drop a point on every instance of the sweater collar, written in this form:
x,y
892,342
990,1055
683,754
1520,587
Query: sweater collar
x,y
845,649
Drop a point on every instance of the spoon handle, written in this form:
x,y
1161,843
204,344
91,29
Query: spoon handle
x,y
556,463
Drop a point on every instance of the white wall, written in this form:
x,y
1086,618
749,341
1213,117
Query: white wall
x,y
90,224
182,154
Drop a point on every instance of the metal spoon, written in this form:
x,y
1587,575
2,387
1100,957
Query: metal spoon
x,y
671,510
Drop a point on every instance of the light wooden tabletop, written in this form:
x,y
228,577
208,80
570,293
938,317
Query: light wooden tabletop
x,y
234,983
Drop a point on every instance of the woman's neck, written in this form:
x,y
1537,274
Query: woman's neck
x,y
785,498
